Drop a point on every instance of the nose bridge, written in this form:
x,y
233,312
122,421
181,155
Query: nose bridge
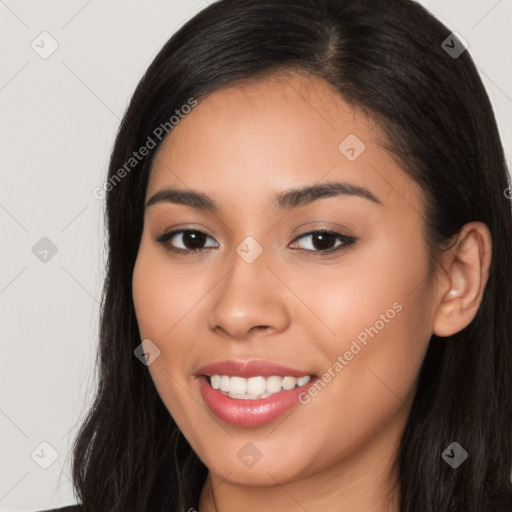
x,y
249,296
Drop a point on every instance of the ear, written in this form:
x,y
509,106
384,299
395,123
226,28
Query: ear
x,y
462,278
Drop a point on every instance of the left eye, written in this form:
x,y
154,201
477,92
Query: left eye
x,y
325,241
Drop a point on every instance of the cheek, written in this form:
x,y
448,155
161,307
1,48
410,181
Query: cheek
x,y
163,293
372,362
372,311
365,288
166,299
162,296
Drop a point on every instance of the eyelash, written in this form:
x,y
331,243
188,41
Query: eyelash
x,y
347,241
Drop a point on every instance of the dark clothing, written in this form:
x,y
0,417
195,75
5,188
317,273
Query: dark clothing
x,y
71,508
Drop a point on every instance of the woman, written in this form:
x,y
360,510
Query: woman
x,y
308,293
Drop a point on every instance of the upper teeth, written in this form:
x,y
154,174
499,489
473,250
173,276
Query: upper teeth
x,y
255,386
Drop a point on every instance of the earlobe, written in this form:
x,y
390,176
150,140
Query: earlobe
x,y
465,271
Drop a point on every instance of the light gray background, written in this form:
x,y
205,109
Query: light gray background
x,y
59,116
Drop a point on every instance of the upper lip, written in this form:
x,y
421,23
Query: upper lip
x,y
250,368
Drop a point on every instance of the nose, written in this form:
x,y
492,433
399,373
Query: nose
x,y
247,300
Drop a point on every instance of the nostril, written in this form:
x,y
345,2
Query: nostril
x,y
262,327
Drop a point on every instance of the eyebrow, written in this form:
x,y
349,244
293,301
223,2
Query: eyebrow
x,y
284,200
305,195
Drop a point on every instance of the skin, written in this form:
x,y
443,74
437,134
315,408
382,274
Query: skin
x,y
241,146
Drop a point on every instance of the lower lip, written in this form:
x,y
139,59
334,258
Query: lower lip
x,y
249,413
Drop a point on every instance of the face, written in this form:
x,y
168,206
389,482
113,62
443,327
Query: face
x,y
332,283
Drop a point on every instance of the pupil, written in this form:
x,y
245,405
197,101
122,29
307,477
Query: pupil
x,y
323,240
194,239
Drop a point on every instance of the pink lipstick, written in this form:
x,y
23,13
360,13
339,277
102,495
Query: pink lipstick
x,y
251,393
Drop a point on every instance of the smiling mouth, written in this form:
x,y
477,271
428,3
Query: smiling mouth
x,y
254,388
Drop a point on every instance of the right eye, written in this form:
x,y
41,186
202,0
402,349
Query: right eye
x,y
191,241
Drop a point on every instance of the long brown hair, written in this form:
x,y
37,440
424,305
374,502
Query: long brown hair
x,y
388,58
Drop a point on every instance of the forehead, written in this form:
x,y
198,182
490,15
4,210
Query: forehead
x,y
270,110
273,134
